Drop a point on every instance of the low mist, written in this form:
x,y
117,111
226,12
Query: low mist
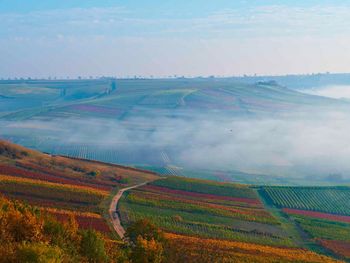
x,y
335,91
298,145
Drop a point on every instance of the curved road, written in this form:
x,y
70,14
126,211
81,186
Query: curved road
x,y
113,210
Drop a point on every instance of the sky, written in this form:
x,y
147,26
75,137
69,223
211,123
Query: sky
x,y
70,38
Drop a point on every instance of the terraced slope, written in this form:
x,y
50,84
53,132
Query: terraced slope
x,y
193,249
64,186
322,214
204,209
333,200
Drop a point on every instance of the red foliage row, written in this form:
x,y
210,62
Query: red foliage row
x,y
339,247
86,222
49,177
320,215
47,170
201,195
37,201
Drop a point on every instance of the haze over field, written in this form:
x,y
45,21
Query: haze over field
x,y
336,91
257,128
298,143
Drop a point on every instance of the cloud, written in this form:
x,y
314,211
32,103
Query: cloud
x,y
270,39
267,20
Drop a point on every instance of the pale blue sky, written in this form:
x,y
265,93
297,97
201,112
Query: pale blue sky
x,y
161,38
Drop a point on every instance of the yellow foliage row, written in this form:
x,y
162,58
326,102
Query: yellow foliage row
x,y
6,178
69,212
232,249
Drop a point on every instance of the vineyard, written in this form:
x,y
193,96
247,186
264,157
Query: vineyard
x,y
334,200
52,176
77,197
63,186
324,229
232,215
208,187
338,247
332,235
332,217
84,220
225,220
193,249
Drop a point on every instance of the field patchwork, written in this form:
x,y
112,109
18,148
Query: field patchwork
x,y
182,205
333,200
193,249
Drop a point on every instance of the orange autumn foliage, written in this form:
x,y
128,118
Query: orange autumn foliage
x,y
19,223
191,249
78,188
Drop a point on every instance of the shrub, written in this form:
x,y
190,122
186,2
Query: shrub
x,y
38,253
146,251
145,229
95,173
92,246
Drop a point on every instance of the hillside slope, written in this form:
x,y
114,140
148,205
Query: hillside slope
x,y
203,220
147,122
124,99
64,186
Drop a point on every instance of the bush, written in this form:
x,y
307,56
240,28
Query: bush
x,y
147,251
92,246
96,173
145,229
38,253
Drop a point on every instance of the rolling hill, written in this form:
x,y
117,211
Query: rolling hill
x,y
64,186
197,220
136,122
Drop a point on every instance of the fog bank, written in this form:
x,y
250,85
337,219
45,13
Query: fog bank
x,y
335,91
312,144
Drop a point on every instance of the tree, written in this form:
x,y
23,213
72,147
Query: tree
x,y
145,229
38,253
95,173
92,246
146,242
18,226
147,251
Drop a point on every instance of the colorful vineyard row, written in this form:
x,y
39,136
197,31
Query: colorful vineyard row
x,y
334,200
249,201
71,188
207,227
324,229
84,220
50,176
52,194
53,203
208,187
162,200
74,171
192,249
203,214
338,247
319,215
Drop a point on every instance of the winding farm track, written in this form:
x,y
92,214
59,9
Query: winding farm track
x,y
113,210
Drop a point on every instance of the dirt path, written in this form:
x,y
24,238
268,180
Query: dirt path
x,y
113,210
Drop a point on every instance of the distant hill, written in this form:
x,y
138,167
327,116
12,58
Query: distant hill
x,y
123,99
114,120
